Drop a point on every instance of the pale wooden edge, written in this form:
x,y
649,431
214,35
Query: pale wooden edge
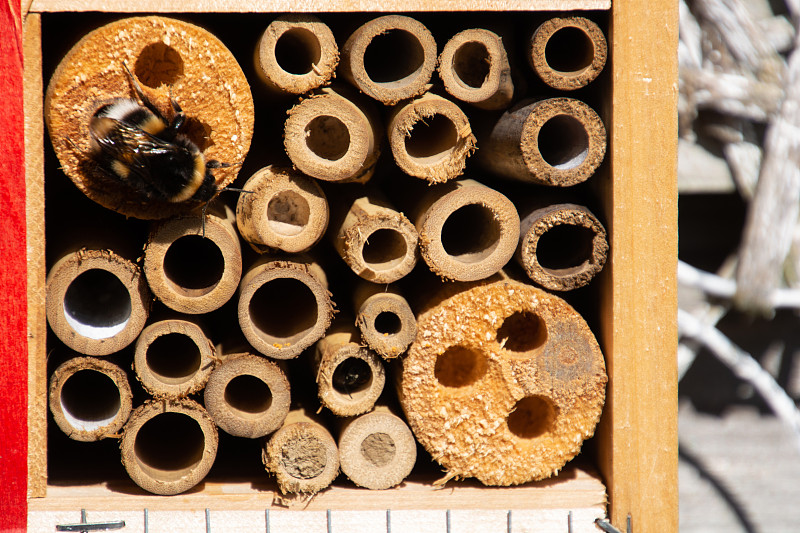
x,y
247,6
638,446
34,219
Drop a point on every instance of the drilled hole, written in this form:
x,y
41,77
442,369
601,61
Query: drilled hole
x,y
328,137
563,142
97,304
522,331
532,416
471,64
158,64
297,51
569,49
459,366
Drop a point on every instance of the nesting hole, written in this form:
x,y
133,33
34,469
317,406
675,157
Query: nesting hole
x,y
471,233
327,137
304,457
283,310
89,400
431,139
393,56
384,249
565,248
174,358
97,304
194,265
169,446
459,366
532,417
388,323
522,332
288,213
297,51
158,64
248,395
563,142
352,376
378,449
472,64
569,49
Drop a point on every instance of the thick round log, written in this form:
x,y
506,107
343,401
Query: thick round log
x,y
248,396
296,54
474,69
389,58
97,302
556,141
173,358
283,210
561,246
163,55
503,383
430,138
168,446
387,323
193,264
568,53
90,398
284,306
302,455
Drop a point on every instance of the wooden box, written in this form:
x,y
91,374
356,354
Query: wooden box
x,y
634,480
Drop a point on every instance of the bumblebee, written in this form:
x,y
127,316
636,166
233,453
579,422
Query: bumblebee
x,y
134,143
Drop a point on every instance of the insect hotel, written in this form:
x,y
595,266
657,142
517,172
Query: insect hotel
x,y
342,268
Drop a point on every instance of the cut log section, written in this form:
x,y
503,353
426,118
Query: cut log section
x,y
296,54
334,135
377,242
284,306
389,58
503,383
474,69
168,446
350,377
562,246
194,263
90,398
430,138
173,358
556,141
97,302
377,450
163,55
467,231
568,53
387,323
248,396
302,455
284,210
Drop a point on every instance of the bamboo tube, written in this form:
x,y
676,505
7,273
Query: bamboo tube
x,y
474,68
387,323
194,264
430,138
506,373
97,302
332,136
90,398
377,242
173,358
284,306
168,446
350,377
561,246
467,231
296,54
163,54
248,396
302,455
377,450
568,53
556,141
285,210
389,58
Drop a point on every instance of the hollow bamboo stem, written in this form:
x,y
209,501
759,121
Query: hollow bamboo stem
x,y
387,323
568,53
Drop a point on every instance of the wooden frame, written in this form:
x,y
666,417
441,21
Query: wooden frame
x,y
637,438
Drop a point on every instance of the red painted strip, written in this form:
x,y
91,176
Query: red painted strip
x,y
13,278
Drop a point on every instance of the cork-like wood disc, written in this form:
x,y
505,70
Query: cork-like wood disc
x,y
503,383
168,57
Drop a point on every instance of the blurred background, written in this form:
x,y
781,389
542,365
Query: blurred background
x,y
739,274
